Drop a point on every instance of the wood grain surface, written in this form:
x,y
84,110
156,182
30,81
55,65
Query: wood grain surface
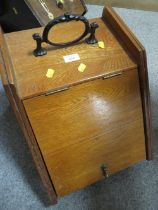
x,y
86,126
30,72
4,57
137,51
23,121
72,133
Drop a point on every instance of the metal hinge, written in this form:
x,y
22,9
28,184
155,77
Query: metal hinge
x,y
56,91
112,75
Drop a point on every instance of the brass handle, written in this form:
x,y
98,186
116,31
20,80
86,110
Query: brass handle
x,y
104,169
60,4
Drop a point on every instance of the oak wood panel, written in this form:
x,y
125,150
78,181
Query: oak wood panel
x,y
75,7
5,79
4,54
31,140
9,92
36,152
92,123
30,79
137,51
78,166
27,76
20,114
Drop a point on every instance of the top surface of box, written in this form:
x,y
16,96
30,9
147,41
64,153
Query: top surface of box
x,y
29,72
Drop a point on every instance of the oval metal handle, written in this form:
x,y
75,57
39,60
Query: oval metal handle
x,y
89,29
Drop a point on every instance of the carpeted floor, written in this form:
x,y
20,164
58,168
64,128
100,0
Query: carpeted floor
x,y
135,188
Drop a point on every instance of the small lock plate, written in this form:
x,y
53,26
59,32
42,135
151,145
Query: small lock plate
x,y
104,168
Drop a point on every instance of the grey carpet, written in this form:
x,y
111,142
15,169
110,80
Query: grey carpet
x,y
135,188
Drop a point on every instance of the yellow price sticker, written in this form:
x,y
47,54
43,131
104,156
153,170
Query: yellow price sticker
x,y
50,73
101,44
82,67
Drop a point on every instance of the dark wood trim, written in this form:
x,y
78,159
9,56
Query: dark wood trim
x,y
137,51
35,150
23,121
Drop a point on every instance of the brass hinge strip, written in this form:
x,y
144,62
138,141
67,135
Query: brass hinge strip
x,y
67,88
56,91
112,75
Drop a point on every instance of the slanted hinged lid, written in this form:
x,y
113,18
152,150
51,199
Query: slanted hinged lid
x,y
29,72
46,10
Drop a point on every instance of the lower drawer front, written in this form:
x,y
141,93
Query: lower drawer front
x,y
80,165
95,123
